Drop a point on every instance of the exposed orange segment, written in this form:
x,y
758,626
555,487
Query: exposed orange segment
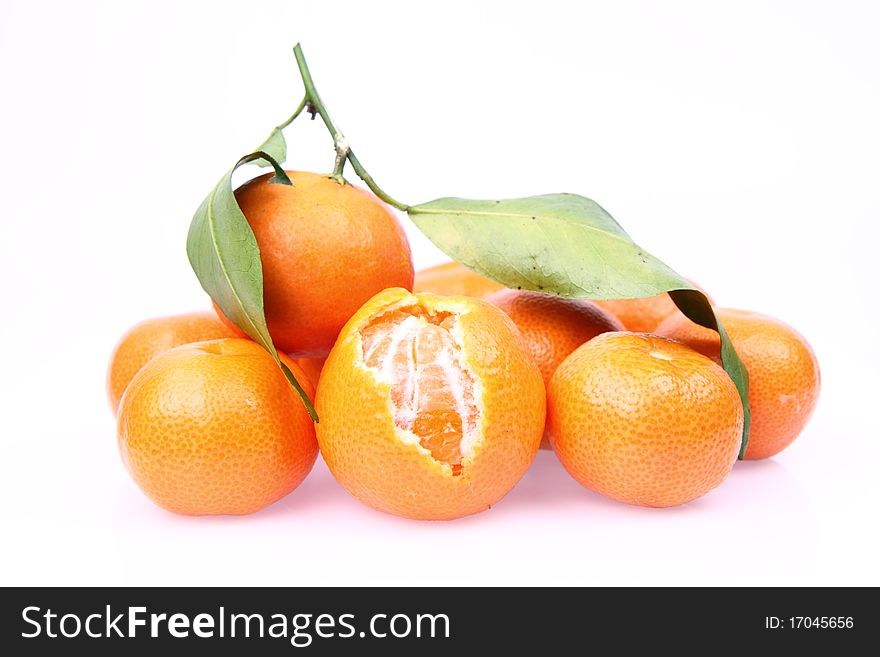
x,y
432,393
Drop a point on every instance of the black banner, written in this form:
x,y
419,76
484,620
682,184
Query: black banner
x,y
400,621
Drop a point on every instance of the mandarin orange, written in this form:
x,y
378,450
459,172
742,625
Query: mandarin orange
x,y
325,249
215,428
644,420
430,406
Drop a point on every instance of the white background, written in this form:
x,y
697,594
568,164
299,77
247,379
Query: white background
x,y
737,141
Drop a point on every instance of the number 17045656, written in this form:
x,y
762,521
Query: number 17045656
x,y
809,622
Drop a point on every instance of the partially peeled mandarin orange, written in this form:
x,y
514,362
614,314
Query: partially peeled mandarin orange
x,y
430,406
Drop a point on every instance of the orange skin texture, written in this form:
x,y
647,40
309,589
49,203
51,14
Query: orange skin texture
x,y
454,279
361,444
643,315
553,327
149,338
215,428
644,420
784,377
325,249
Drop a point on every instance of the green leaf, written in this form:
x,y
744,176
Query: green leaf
x,y
567,245
225,256
275,147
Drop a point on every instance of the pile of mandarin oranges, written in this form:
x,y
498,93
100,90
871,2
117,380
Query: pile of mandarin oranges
x,y
435,390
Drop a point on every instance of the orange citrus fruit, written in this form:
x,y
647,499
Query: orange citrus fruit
x,y
644,420
325,249
454,279
215,428
784,378
430,406
147,339
643,315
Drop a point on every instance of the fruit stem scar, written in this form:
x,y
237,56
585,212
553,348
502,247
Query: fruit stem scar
x,y
314,105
